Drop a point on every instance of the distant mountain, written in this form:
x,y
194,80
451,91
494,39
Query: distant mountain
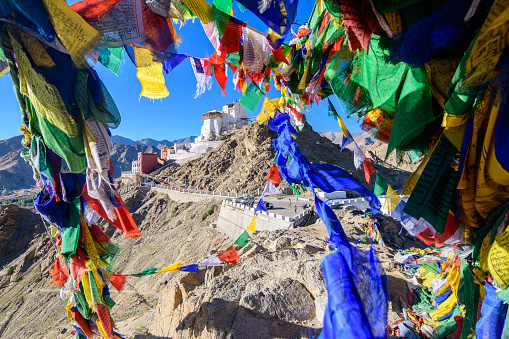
x,y
187,140
155,143
117,139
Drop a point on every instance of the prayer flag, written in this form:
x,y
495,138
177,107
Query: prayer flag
x,y
270,189
212,261
148,271
252,225
173,267
334,113
358,156
173,61
278,15
418,228
190,268
380,185
242,240
229,255
347,140
273,177
150,74
118,281
230,41
368,169
392,199
268,110
260,206
204,81
251,97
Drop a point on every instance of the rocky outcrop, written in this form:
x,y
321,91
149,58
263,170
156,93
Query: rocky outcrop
x,y
276,290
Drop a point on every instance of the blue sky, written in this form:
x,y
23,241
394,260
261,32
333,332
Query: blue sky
x,y
179,114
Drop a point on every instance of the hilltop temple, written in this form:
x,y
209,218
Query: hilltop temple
x,y
215,123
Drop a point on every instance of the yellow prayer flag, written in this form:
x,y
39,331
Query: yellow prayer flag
x,y
268,110
150,74
342,126
173,267
201,8
78,37
252,225
497,259
392,199
489,45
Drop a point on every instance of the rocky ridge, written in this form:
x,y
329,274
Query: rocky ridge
x,y
241,163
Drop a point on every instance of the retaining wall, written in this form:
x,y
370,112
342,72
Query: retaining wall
x,y
233,220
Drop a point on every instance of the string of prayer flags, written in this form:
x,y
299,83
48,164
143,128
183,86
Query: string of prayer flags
x,y
229,255
334,113
252,224
242,240
368,169
173,267
251,97
358,156
380,185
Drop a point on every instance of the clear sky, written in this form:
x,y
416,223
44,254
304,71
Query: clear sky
x,y
178,115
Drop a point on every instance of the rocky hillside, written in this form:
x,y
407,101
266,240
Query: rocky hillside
x,y
241,163
16,176
276,290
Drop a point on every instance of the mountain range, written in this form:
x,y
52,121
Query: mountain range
x,y
117,139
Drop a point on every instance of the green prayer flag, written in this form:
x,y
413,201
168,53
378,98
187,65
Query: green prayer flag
x,y
251,97
332,110
146,272
71,231
242,240
380,185
111,57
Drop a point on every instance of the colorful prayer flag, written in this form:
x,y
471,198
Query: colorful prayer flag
x,y
368,169
273,176
392,199
118,281
252,225
380,185
229,255
358,156
212,261
270,189
190,268
173,267
242,240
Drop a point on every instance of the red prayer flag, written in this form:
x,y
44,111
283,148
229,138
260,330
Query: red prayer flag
x,y
229,255
279,55
103,314
231,38
124,221
89,9
118,281
99,235
59,274
82,322
273,176
360,23
368,169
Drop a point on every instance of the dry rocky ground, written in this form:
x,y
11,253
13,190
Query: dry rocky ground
x,y
275,291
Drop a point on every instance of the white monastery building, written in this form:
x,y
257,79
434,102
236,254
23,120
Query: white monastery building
x,y
215,123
